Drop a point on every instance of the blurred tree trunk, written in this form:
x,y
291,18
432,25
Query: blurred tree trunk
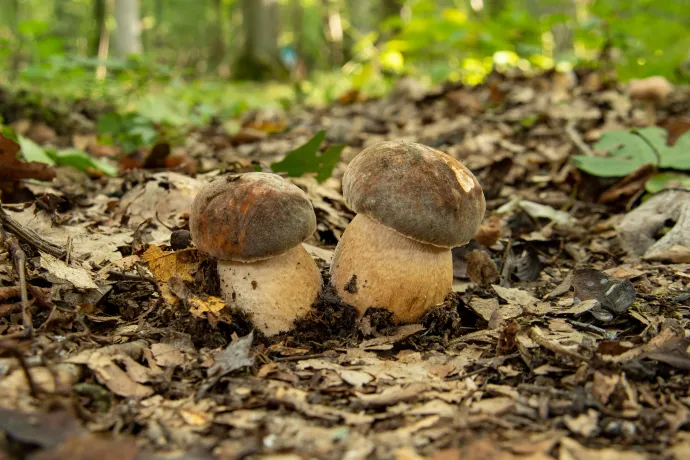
x,y
17,54
128,33
260,58
99,30
333,26
218,51
299,72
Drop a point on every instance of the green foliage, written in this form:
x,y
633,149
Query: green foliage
x,y
632,149
75,158
130,131
307,160
656,183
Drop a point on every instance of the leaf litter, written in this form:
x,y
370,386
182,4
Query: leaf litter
x,y
564,338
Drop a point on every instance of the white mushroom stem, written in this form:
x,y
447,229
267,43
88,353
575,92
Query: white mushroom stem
x,y
374,266
273,292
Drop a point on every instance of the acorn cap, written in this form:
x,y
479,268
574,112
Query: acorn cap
x,y
251,216
416,190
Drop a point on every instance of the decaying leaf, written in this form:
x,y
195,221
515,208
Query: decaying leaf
x,y
60,272
235,356
166,264
638,228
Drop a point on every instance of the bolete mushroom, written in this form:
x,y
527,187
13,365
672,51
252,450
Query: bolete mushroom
x,y
413,204
254,224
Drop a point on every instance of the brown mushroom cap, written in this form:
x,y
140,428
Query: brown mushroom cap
x,y
654,89
251,216
417,191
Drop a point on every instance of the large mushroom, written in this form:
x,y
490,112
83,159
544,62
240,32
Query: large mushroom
x,y
413,204
254,224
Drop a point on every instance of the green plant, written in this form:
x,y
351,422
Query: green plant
x,y
130,131
65,157
631,149
307,160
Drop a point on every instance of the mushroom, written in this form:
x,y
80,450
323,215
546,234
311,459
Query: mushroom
x,y
254,224
652,91
413,204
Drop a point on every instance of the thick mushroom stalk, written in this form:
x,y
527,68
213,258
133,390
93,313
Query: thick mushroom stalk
x,y
274,292
374,266
413,205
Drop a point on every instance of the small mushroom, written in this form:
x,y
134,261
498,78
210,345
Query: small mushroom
x,y
254,224
652,91
413,204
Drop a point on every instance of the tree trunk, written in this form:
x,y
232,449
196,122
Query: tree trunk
x,y
17,54
217,52
99,14
260,59
334,33
128,34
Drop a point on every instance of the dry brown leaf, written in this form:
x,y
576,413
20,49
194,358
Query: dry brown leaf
x,y
167,355
13,169
115,379
493,406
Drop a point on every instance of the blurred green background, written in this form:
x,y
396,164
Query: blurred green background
x,y
197,58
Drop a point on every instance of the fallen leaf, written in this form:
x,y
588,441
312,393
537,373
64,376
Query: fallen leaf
x,y
13,169
167,355
235,356
166,264
60,272
515,296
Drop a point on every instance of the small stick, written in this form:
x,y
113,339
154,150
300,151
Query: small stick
x,y
28,236
19,258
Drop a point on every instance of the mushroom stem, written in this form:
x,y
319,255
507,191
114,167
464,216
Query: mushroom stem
x,y
374,266
273,292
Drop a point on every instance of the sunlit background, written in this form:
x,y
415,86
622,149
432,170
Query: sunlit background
x,y
210,54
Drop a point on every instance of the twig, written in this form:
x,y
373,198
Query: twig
x,y
28,236
577,140
19,258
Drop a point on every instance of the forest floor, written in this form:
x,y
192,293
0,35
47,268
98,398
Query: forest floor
x,y
556,342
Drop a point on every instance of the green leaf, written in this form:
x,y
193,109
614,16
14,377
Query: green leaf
x,y
82,160
31,151
605,167
632,149
306,159
656,183
678,156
